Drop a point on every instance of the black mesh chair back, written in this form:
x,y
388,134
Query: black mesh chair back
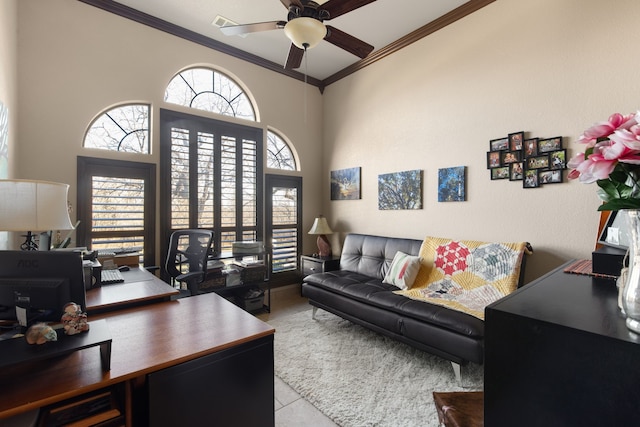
x,y
187,257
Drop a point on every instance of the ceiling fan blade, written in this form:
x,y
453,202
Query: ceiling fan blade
x,y
234,30
295,57
340,7
348,42
289,3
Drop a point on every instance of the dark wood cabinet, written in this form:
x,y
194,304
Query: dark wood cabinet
x,y
315,264
558,353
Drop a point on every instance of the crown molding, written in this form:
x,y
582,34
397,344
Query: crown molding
x,y
178,31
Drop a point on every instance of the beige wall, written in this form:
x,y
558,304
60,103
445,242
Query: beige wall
x,y
8,85
548,67
75,61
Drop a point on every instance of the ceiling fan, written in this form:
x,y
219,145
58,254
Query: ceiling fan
x,y
305,28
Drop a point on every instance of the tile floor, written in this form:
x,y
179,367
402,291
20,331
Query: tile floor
x,y
291,409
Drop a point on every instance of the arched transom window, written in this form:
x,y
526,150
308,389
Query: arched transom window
x,y
209,90
279,154
123,128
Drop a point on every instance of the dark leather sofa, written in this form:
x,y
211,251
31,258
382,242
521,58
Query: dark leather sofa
x,y
355,292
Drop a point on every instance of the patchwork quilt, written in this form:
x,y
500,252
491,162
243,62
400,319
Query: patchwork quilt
x,y
466,275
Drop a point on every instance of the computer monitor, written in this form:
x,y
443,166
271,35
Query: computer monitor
x,y
41,282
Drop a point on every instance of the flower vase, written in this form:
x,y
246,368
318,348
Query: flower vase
x,y
631,289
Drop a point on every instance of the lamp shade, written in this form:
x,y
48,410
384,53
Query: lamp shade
x,y
305,32
320,226
27,205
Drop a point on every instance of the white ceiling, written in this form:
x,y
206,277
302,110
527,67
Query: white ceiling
x,y
379,23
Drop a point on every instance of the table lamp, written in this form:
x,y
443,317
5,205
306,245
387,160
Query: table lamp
x,y
321,228
27,205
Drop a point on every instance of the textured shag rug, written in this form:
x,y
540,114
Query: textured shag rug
x,y
360,378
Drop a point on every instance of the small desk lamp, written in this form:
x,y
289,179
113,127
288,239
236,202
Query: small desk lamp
x,y
321,228
27,205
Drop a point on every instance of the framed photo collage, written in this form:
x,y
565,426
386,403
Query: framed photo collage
x,y
533,161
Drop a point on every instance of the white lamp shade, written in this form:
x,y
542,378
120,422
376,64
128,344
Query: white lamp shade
x,y
320,226
305,31
27,205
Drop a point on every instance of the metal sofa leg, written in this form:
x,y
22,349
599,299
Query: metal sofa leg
x,y
456,371
313,312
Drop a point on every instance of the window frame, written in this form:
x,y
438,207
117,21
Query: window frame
x,y
92,166
271,181
170,119
127,133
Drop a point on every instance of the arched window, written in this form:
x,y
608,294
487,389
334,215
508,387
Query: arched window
x,y
209,90
123,128
279,154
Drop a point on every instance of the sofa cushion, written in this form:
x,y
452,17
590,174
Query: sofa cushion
x,y
378,294
403,270
372,255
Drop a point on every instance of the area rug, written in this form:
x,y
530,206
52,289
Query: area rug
x,y
359,378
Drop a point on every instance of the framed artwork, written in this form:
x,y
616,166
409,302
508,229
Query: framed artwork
x,y
558,159
345,184
510,157
549,177
551,144
535,161
530,147
451,184
530,179
515,141
538,162
499,144
500,173
516,171
493,159
400,190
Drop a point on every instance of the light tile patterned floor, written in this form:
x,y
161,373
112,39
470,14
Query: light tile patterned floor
x,y
291,409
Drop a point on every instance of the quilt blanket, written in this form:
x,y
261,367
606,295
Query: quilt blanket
x,y
466,275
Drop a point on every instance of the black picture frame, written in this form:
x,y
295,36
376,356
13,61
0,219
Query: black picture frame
x,y
530,147
499,144
558,159
500,173
507,157
552,176
549,144
515,141
516,171
494,159
537,162
530,179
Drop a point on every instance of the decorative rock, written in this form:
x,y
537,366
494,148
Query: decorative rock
x,y
74,320
40,333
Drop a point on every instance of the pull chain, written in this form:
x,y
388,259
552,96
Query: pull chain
x,y
306,69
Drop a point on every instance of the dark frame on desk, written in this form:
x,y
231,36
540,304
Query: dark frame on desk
x,y
617,220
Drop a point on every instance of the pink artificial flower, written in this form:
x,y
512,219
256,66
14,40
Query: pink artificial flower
x,y
601,162
604,129
629,137
591,169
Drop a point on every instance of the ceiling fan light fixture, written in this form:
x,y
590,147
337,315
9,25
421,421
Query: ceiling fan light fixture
x,y
305,32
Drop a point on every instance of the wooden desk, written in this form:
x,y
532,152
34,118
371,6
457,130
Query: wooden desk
x,y
145,340
140,287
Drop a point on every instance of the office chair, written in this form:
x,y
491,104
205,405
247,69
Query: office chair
x,y
187,257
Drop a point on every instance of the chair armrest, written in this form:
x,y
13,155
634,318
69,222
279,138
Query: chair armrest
x,y
187,277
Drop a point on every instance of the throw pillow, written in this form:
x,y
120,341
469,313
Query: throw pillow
x,y
403,270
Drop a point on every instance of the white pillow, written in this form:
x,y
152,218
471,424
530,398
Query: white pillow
x,y
403,270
